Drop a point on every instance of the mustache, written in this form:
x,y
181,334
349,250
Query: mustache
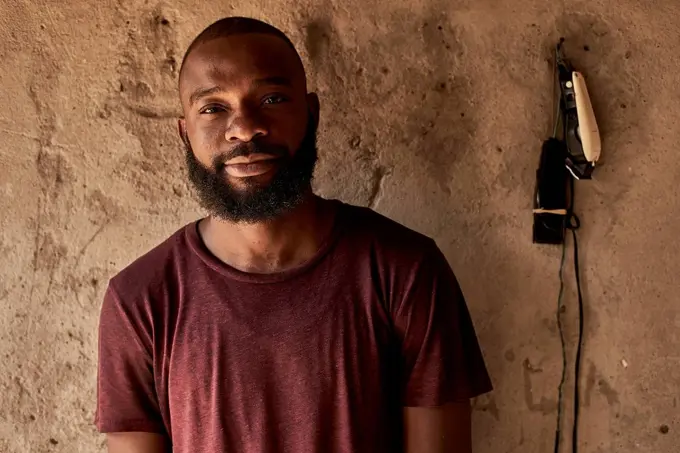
x,y
246,149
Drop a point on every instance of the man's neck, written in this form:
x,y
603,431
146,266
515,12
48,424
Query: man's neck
x,y
273,246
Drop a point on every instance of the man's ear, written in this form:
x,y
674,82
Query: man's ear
x,y
313,106
182,130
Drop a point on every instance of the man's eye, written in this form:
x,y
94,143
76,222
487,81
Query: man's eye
x,y
274,99
211,109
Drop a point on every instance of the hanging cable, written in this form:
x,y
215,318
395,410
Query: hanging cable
x,y
558,429
572,223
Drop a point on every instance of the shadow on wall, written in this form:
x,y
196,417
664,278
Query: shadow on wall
x,y
405,74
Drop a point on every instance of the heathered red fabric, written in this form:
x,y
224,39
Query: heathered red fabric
x,y
319,359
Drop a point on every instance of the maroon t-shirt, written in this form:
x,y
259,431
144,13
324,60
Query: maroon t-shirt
x,y
319,359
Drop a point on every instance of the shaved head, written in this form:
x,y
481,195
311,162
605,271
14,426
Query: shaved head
x,y
231,26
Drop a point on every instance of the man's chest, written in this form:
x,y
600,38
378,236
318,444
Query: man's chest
x,y
261,358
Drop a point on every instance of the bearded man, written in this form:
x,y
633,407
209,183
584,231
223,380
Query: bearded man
x,y
281,322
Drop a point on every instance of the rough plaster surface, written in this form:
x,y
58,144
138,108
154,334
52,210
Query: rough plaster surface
x,y
433,113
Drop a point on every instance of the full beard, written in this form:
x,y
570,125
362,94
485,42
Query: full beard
x,y
255,203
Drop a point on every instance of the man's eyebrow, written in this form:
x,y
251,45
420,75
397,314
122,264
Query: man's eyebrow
x,y
275,80
203,92
207,91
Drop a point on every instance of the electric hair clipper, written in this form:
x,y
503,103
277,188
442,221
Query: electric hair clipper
x,y
573,151
580,130
550,195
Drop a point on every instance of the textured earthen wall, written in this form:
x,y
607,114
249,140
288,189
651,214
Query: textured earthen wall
x,y
433,113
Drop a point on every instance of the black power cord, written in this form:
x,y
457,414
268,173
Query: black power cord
x,y
572,223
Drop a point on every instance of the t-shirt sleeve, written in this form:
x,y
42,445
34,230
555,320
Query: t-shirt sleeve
x,y
126,396
441,360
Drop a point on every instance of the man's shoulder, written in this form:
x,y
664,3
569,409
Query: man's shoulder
x,y
152,268
386,235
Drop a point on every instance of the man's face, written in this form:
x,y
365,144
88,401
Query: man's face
x,y
249,127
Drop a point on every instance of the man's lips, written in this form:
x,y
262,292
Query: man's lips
x,y
252,158
242,167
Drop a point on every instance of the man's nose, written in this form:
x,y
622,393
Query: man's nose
x,y
245,127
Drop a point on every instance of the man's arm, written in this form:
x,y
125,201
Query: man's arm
x,y
137,442
127,407
442,364
443,429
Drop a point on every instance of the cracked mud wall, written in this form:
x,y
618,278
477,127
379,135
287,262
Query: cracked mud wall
x,y
433,113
